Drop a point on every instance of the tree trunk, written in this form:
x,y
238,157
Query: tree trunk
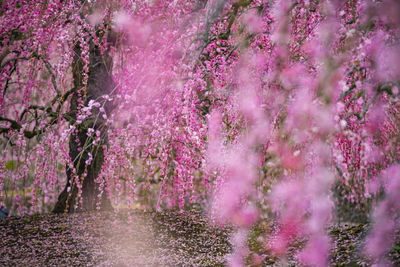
x,y
99,83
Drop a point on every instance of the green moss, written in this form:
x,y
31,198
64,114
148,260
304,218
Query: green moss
x,y
396,249
11,165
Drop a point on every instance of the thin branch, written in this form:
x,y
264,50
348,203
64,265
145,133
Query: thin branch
x,y
14,124
49,114
53,76
8,79
13,59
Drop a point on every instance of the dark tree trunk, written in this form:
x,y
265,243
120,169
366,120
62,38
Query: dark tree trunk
x,y
99,83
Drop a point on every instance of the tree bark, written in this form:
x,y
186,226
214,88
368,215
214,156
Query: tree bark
x,y
99,83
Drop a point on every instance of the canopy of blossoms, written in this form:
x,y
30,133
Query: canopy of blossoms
x,y
285,109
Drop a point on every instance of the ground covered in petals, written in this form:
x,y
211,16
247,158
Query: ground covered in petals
x,y
149,239
112,239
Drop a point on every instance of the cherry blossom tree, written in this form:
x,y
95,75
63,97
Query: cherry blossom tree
x,y
252,109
